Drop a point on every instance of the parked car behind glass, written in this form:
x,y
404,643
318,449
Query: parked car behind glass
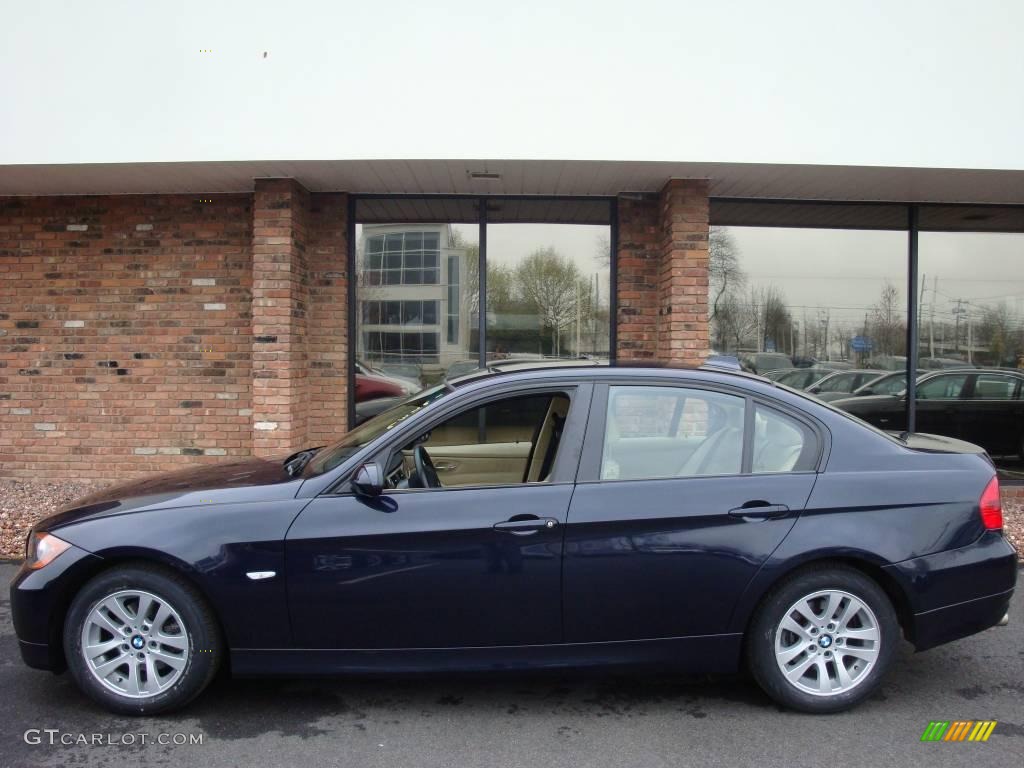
x,y
979,405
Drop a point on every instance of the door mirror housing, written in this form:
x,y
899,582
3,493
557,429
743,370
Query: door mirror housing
x,y
369,480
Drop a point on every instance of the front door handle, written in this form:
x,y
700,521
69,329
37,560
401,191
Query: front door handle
x,y
446,466
759,510
524,525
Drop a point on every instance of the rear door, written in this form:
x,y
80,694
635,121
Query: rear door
x,y
664,549
991,413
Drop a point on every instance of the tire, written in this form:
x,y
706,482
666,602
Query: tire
x,y
862,640
174,648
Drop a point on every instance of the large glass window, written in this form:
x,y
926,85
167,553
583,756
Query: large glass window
x,y
971,292
548,290
418,308
801,297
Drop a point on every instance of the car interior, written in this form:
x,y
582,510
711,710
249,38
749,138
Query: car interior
x,y
505,442
671,432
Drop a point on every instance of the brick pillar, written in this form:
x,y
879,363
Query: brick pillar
x,y
280,294
639,262
327,342
683,279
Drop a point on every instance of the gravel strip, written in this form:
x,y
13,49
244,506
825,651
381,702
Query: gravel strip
x,y
1013,524
23,502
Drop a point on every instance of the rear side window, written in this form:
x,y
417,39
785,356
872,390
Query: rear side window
x,y
994,387
781,443
658,432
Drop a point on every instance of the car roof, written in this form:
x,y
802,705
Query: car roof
x,y
591,369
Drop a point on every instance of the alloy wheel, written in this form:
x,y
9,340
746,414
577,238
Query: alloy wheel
x,y
135,643
827,643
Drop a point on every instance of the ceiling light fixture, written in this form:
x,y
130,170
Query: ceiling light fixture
x,y
486,175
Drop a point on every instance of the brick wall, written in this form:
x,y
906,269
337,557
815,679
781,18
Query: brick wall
x,y
124,333
663,275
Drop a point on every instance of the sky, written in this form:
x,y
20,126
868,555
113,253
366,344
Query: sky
x,y
934,83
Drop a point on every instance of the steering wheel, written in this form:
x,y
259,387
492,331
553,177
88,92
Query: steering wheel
x,y
425,468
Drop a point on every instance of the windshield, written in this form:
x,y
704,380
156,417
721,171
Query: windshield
x,y
333,455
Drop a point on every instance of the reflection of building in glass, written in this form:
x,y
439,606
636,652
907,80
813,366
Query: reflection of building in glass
x,y
410,295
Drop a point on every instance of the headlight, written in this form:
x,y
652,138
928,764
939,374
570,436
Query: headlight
x,y
41,549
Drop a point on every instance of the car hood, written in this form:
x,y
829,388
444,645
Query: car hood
x,y
237,481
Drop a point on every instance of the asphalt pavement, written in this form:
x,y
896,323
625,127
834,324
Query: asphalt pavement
x,y
538,721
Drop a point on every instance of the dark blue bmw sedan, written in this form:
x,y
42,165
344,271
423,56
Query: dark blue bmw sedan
x,y
696,520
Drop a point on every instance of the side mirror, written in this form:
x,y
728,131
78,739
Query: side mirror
x,y
864,391
369,480
814,390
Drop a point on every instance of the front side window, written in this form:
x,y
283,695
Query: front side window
x,y
942,387
510,441
659,432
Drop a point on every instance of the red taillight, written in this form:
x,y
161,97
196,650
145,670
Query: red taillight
x,y
991,506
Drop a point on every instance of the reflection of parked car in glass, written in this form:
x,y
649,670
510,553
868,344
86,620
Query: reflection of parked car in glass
x,y
369,387
801,378
370,408
886,384
760,362
940,363
842,382
409,384
978,405
887,363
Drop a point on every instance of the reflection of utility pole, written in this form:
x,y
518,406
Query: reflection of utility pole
x,y
803,327
970,338
956,328
931,316
917,320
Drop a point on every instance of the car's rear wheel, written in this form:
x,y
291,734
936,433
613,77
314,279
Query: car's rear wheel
x,y
822,640
141,640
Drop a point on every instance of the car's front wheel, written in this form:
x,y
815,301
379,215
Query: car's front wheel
x,y
822,640
141,640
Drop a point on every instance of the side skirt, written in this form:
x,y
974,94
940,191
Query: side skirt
x,y
704,654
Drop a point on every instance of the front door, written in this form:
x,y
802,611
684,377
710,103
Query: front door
x,y
473,564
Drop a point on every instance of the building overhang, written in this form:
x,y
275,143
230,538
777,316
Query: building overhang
x,y
583,178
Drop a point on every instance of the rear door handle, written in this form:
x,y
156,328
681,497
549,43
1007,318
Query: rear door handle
x,y
526,526
759,511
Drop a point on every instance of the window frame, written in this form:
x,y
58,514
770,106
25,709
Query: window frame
x,y
580,394
593,451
